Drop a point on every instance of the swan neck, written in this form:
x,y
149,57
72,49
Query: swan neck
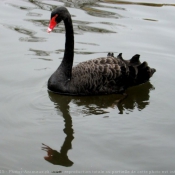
x,y
67,61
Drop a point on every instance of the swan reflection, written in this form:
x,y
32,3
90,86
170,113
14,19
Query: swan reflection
x,y
138,97
53,156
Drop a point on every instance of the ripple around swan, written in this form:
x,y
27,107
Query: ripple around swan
x,y
30,101
41,103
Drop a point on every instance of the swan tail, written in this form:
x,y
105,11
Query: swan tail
x,y
139,72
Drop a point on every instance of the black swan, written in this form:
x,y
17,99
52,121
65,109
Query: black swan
x,y
106,75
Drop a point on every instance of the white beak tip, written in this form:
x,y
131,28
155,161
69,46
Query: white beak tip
x,y
49,30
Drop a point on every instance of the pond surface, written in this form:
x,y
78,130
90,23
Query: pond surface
x,y
89,135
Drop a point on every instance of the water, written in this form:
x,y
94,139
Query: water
x,y
90,135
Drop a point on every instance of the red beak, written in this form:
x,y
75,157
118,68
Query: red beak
x,y
52,24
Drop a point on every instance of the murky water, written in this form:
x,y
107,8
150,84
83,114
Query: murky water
x,y
90,135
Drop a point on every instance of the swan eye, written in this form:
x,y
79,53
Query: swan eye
x,y
52,23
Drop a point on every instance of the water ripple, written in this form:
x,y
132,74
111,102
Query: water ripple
x,y
43,23
41,5
40,52
81,29
137,3
21,7
88,43
28,32
34,14
20,29
94,29
40,103
78,51
78,3
32,39
100,13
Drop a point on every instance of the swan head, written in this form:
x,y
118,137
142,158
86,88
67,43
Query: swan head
x,y
57,15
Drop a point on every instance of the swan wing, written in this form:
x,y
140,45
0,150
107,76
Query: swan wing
x,y
98,76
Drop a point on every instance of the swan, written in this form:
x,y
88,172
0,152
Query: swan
x,y
105,75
